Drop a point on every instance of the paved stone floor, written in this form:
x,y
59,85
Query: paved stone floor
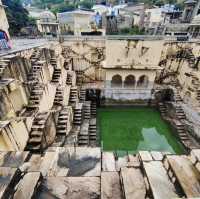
x,y
23,44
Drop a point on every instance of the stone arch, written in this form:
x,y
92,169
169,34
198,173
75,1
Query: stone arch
x,y
116,81
143,81
130,81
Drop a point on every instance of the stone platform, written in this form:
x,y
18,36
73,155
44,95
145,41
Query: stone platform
x,y
85,172
19,45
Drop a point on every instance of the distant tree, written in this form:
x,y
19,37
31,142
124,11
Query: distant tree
x,y
64,7
86,4
131,31
17,16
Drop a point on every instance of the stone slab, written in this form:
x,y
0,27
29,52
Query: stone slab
x,y
145,156
27,186
156,155
108,161
133,183
195,155
133,161
8,179
159,181
70,188
110,186
186,173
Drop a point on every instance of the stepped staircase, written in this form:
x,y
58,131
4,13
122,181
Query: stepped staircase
x,y
73,95
37,133
198,96
191,58
61,128
36,95
93,132
34,74
93,109
174,83
162,109
69,79
35,56
78,114
195,82
83,137
165,75
184,137
177,97
82,95
79,78
53,62
180,113
56,75
87,110
58,100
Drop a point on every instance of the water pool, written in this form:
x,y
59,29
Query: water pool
x,y
134,129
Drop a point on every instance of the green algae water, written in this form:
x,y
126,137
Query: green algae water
x,y
135,129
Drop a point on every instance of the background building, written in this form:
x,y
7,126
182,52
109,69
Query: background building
x,y
78,22
47,23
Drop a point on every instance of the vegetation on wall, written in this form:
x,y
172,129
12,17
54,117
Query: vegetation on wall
x,y
17,16
135,30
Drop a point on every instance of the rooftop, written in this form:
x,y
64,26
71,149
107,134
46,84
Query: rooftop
x,y
79,11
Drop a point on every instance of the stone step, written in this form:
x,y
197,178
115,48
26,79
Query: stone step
x,y
159,182
133,184
36,133
35,140
38,127
62,132
181,171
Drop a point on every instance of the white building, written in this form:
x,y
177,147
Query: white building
x,y
133,14
153,18
47,23
3,19
77,22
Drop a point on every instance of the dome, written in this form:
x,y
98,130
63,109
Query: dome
x,y
47,15
196,19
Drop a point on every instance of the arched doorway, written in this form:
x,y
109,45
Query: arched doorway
x,y
116,81
165,95
143,81
129,81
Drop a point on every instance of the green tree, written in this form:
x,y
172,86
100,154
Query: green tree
x,y
131,31
17,16
86,4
